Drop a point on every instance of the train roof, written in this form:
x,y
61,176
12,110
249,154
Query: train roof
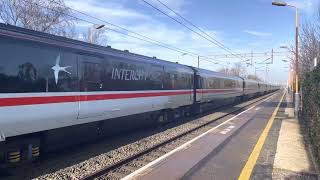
x,y
217,74
254,81
59,41
250,80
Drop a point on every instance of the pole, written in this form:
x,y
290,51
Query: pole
x,y
198,61
265,78
297,66
251,57
90,35
272,56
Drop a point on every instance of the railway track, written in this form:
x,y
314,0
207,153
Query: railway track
x,y
131,163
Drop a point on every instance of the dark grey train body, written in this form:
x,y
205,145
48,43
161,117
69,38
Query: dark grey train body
x,y
57,92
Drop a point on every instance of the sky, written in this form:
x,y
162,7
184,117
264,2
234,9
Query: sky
x,y
243,26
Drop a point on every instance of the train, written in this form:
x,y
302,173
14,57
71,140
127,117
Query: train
x,y
56,92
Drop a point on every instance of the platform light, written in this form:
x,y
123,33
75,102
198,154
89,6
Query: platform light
x,y
100,26
279,3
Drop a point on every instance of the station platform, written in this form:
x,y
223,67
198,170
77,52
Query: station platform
x,y
262,142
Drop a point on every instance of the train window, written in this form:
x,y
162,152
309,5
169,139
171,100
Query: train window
x,y
156,72
91,77
171,78
67,79
210,83
91,73
174,81
217,84
233,84
228,83
180,81
36,68
198,81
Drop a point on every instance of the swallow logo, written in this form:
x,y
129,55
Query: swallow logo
x,y
2,137
57,68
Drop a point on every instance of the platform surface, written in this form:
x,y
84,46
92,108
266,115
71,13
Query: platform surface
x,y
264,141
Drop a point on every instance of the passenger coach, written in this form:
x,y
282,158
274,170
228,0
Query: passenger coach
x,y
216,89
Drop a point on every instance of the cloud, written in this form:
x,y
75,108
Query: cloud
x,y
169,35
176,5
107,10
143,22
258,33
308,6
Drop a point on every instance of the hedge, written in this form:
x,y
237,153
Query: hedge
x,y
311,108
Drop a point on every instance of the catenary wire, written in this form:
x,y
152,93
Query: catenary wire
x,y
151,41
206,58
183,24
192,24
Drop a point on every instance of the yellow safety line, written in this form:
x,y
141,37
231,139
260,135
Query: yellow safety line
x,y
247,169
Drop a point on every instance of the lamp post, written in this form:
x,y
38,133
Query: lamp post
x,y
297,55
92,29
222,65
182,54
290,80
291,72
255,69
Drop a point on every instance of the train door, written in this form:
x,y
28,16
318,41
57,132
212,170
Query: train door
x,y
199,82
243,87
90,86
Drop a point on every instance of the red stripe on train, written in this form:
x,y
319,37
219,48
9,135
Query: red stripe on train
x,y
217,90
19,101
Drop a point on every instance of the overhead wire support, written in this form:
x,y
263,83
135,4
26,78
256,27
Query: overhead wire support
x,y
250,55
183,24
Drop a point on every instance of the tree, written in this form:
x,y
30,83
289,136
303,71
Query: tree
x,y
225,70
95,36
254,77
309,46
237,70
46,16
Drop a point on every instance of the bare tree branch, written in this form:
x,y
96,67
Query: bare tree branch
x,y
46,16
254,77
237,70
95,36
309,46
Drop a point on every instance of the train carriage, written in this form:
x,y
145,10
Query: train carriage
x,y
216,89
251,88
55,88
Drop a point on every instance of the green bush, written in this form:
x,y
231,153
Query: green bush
x,y
311,108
